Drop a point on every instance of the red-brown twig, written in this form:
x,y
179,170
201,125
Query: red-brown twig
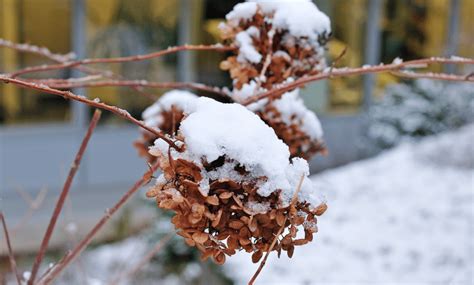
x,y
71,64
431,75
59,58
341,72
272,245
10,250
62,197
93,103
41,51
70,256
68,84
145,260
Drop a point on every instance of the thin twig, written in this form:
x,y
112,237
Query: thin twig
x,y
68,84
338,58
268,60
70,256
341,72
272,245
145,260
41,51
431,75
71,64
93,103
59,58
62,197
11,256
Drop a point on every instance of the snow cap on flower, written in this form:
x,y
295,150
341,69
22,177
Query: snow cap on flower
x,y
165,115
233,179
276,40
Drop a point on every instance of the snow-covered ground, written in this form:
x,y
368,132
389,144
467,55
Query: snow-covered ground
x,y
405,216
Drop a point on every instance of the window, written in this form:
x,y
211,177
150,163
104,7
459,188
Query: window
x,y
45,23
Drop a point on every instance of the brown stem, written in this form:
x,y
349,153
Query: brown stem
x,y
71,64
341,72
41,51
59,58
272,245
131,83
10,250
430,75
93,103
70,256
145,260
62,197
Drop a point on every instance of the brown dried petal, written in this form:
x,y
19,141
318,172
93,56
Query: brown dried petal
x,y
200,237
256,256
236,224
212,200
321,209
219,257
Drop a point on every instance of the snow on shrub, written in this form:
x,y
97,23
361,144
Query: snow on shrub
x,y
233,185
416,110
291,33
166,115
278,41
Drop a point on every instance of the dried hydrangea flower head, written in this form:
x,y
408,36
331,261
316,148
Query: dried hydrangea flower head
x,y
166,115
233,185
296,125
276,40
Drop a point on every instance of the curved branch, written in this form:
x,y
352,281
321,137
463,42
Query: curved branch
x,y
395,66
93,103
40,51
62,197
71,255
67,84
71,64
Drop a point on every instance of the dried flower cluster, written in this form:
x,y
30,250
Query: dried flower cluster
x,y
166,115
232,192
278,43
234,184
274,42
297,126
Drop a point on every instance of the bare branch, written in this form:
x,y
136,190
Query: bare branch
x,y
68,84
10,250
93,103
62,197
342,72
67,58
432,75
41,51
71,64
145,260
70,256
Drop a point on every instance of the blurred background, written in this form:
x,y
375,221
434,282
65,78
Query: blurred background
x,y
361,116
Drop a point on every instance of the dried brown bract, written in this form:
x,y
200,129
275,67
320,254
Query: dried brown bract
x,y
166,115
238,200
271,50
231,216
300,143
